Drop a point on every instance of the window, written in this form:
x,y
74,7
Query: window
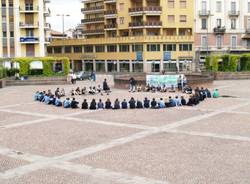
x,y
4,34
49,50
77,49
170,3
218,22
185,47
203,23
88,48
169,47
57,50
248,23
153,47
248,7
233,23
124,48
12,34
218,6
121,20
171,18
99,48
234,42
233,7
111,48
204,6
137,48
183,18
204,42
67,49
218,41
183,3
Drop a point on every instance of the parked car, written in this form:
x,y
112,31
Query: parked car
x,y
83,75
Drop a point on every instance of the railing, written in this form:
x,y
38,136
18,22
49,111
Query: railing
x,y
92,8
110,26
29,8
23,24
110,12
233,13
92,20
204,12
145,9
219,30
97,31
147,23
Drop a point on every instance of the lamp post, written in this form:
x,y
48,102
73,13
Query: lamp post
x,y
63,17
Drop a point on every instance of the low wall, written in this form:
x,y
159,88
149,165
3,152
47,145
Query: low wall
x,y
2,83
232,75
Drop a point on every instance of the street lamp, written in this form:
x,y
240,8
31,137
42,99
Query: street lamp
x,y
63,17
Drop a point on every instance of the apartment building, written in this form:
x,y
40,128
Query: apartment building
x,y
221,26
23,28
132,36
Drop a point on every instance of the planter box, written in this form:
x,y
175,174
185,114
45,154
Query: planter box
x,y
2,83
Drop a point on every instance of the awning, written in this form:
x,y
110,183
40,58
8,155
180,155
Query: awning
x,y
36,65
246,36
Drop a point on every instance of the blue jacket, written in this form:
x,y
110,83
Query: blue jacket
x,y
67,104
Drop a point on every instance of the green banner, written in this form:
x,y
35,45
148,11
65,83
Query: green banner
x,y
163,80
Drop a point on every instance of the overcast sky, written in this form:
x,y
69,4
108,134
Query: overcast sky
x,y
71,7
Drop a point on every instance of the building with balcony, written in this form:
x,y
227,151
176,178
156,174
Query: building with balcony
x,y
221,27
132,36
24,31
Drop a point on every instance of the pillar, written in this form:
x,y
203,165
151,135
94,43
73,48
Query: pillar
x,y
130,66
94,65
118,65
106,66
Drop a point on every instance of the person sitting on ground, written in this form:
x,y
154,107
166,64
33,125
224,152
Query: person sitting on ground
x,y
132,103
41,96
159,88
216,93
92,105
91,91
161,104
49,92
72,92
74,104
203,93
85,104
100,104
108,104
84,91
139,88
78,91
172,89
62,93
177,101
47,99
153,89
116,104
208,93
99,89
164,89
36,96
154,104
187,90
67,103
147,88
124,104
94,90
183,101
146,103
139,104
172,102
52,100
105,86
58,102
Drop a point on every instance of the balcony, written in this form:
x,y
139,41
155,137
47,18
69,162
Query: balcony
x,y
47,40
204,13
110,27
47,26
93,32
93,20
29,9
47,12
233,13
109,1
109,14
147,24
219,30
29,40
92,9
24,25
150,10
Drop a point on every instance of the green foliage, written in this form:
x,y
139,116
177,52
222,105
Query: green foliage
x,y
47,66
2,72
245,62
212,63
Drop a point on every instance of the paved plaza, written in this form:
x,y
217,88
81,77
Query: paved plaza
x,y
206,144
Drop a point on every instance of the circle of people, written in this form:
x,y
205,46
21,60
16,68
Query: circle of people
x,y
49,98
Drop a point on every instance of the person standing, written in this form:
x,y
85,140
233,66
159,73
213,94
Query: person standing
x,y
132,83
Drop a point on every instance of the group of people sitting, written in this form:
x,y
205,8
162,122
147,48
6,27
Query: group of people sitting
x,y
92,90
199,95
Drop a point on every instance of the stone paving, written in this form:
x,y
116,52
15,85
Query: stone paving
x,y
206,144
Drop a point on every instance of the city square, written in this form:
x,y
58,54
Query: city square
x,y
208,143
